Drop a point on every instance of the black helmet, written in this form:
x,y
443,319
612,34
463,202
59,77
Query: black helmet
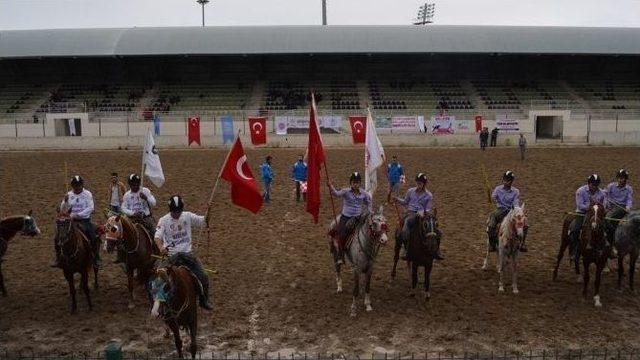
x,y
421,177
622,173
77,180
508,175
593,179
134,179
175,203
355,177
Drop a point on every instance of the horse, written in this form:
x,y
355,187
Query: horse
x,y
9,227
627,242
137,245
76,256
422,246
174,292
511,235
361,250
565,241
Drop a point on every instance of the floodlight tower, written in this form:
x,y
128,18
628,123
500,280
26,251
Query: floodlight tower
x,y
426,13
203,3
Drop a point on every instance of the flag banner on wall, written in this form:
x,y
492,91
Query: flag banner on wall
x,y
227,129
358,126
442,125
300,124
258,128
478,122
193,132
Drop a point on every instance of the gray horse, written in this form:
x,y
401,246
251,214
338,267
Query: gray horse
x,y
361,249
627,242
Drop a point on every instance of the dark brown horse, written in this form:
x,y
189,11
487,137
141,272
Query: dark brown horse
x,y
77,255
422,247
592,247
9,227
137,245
175,294
627,242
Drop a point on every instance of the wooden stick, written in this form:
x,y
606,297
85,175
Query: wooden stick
x,y
66,178
326,172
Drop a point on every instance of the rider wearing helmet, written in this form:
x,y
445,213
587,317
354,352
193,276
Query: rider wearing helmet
x,y
585,196
173,238
78,206
505,197
137,204
417,201
618,201
354,202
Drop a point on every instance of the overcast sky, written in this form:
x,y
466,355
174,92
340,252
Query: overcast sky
x,y
44,14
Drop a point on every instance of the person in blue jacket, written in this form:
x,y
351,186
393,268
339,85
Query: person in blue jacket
x,y
267,178
299,175
394,171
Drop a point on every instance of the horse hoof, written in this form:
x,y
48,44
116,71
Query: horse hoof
x,y
352,314
579,279
339,291
427,295
501,289
515,291
369,308
412,294
484,266
597,302
131,306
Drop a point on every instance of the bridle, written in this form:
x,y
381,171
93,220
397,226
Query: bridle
x,y
66,234
115,233
169,313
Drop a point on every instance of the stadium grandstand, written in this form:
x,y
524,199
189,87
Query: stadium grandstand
x,y
135,74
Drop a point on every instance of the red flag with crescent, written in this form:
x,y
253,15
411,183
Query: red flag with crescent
x,y
358,127
244,187
258,127
193,130
315,159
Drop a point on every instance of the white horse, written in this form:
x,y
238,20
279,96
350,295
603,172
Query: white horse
x,y
361,250
511,234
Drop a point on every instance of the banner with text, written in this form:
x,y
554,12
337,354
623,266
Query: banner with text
x,y
300,124
404,123
504,124
442,125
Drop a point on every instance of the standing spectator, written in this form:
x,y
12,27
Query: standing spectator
x,y
299,175
267,178
484,138
394,172
494,136
522,143
116,192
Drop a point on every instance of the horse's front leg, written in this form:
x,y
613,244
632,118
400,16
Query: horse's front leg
x,y
193,346
514,275
356,291
131,304
72,291
596,295
414,279
585,277
367,287
621,270
501,261
96,268
396,257
427,279
563,247
632,268
485,264
84,284
2,288
175,329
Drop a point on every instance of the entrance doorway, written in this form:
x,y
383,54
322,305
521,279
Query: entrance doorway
x,y
549,127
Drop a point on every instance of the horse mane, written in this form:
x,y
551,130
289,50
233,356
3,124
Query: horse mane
x,y
10,225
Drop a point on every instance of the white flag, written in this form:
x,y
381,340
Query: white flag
x,y
373,156
151,160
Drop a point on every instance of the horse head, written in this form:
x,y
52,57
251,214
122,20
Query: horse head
x,y
595,222
517,221
29,226
161,287
113,232
378,226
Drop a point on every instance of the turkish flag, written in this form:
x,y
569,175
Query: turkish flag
x,y
478,123
315,159
358,126
258,126
244,187
193,129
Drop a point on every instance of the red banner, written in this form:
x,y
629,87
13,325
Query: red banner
x,y
258,126
478,123
358,128
193,130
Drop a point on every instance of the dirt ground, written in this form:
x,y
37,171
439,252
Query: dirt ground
x,y
274,290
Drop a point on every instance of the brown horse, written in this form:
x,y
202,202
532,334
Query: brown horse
x,y
593,248
136,244
76,256
175,294
422,247
9,227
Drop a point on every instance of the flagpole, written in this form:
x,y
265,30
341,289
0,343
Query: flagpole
x,y
326,172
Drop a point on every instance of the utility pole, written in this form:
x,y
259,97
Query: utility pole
x,y
324,12
426,13
203,3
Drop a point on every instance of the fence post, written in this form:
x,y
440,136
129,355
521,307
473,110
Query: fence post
x,y
127,126
100,127
617,122
15,124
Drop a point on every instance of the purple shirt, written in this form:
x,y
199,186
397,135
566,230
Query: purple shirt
x,y
352,203
416,201
622,196
506,199
584,198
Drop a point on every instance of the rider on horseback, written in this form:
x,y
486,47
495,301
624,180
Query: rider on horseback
x,y
505,196
78,205
585,196
417,201
353,202
619,199
173,238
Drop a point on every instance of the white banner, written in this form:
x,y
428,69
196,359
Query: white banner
x,y
504,124
442,125
408,123
284,123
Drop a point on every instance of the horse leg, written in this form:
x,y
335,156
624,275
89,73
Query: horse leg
x,y
337,266
131,304
563,247
514,275
396,256
501,261
599,267
632,268
367,287
621,271
485,264
576,264
414,278
2,288
427,278
175,329
193,346
356,291
84,283
95,277
585,277
72,291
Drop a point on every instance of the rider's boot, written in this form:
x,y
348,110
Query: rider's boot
x,y
204,303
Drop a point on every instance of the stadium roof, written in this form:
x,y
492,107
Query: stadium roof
x,y
249,40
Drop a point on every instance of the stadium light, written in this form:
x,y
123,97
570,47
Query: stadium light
x,y
203,3
426,13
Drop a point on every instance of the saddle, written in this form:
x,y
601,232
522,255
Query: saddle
x,y
350,227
